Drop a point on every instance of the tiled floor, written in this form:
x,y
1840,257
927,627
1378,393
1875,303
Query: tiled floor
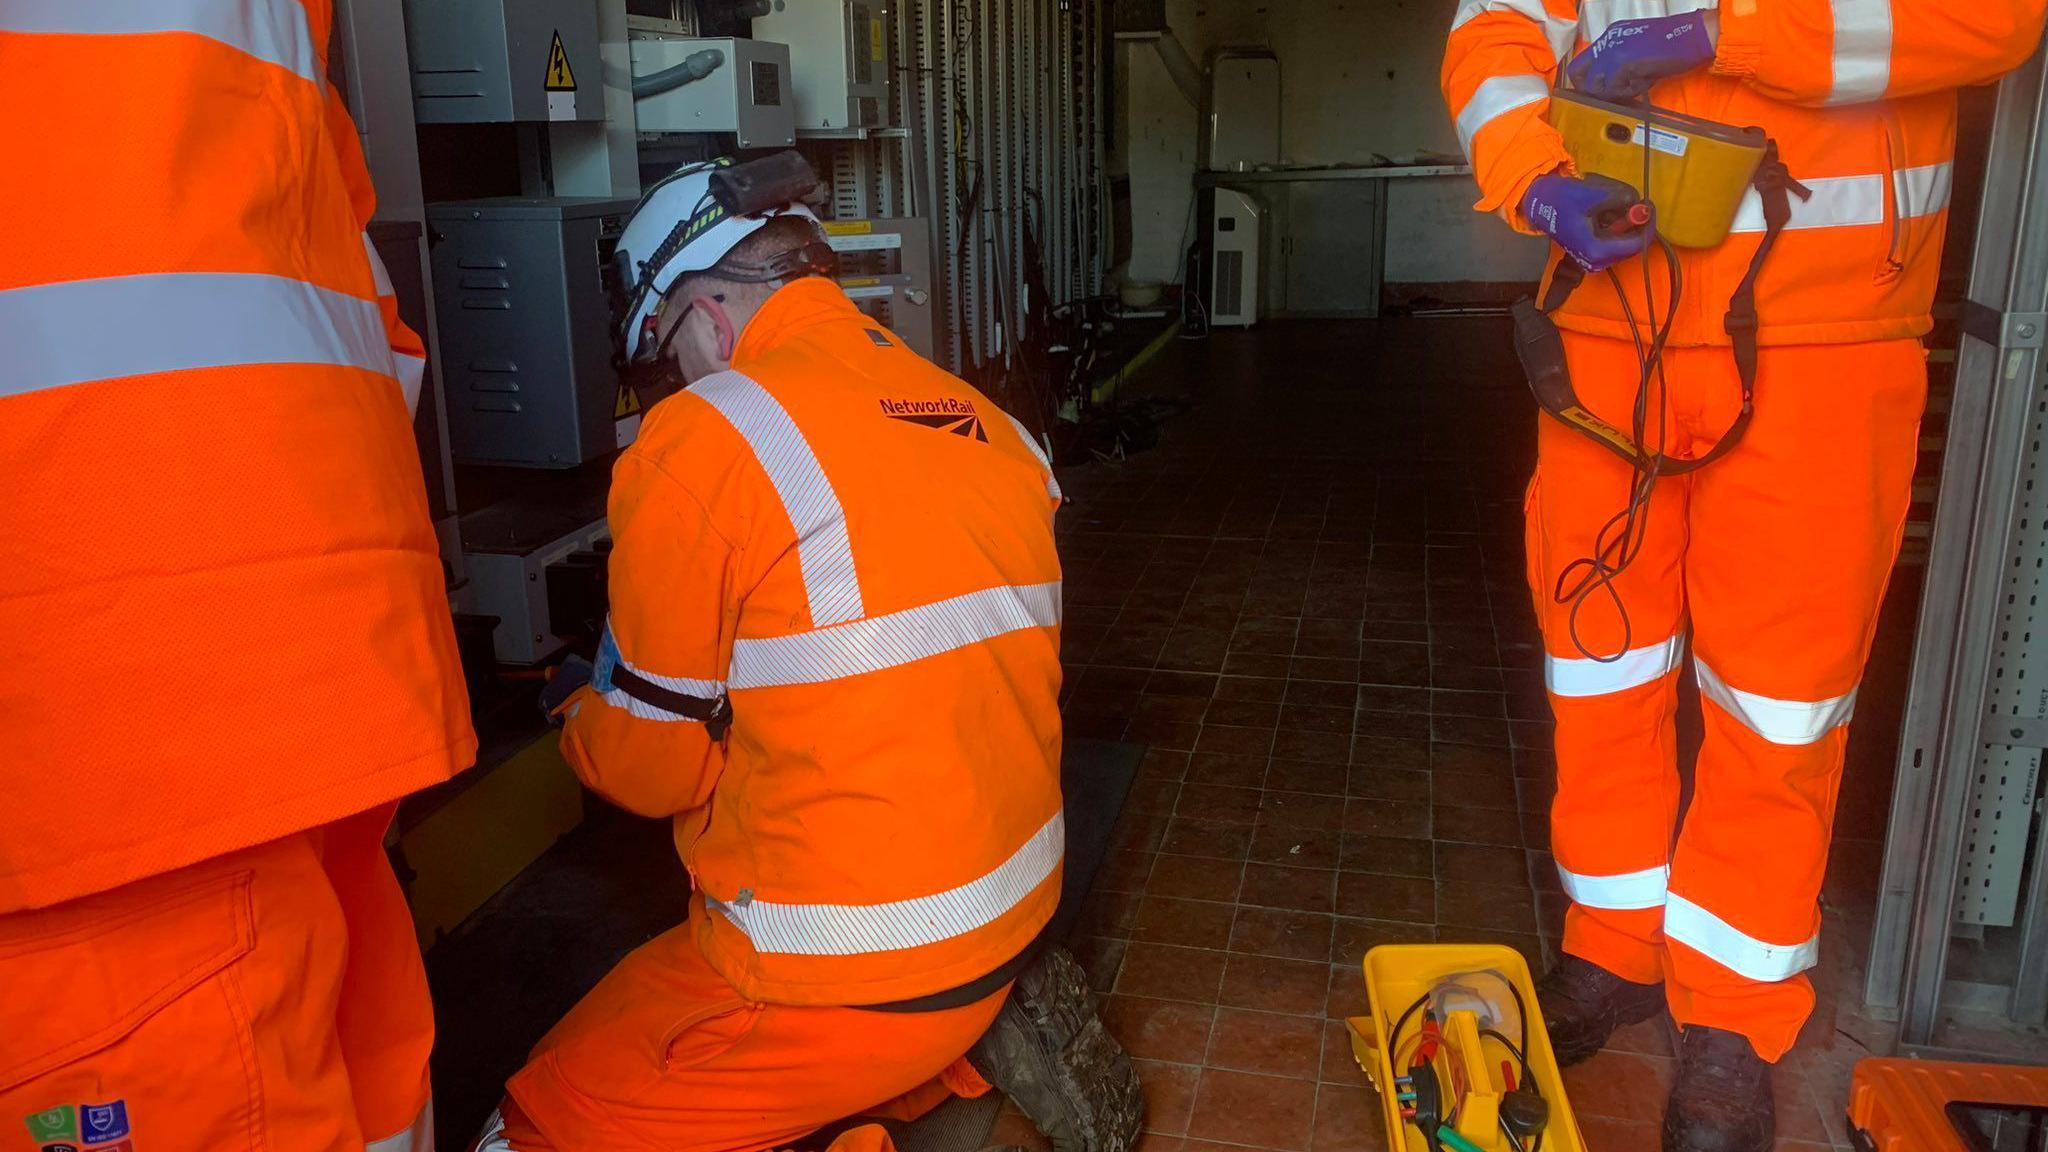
x,y
1308,602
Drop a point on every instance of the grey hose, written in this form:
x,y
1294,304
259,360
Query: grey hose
x,y
695,67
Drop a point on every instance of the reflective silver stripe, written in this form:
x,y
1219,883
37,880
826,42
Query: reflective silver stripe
x,y
492,1138
1863,51
1837,202
857,929
1629,890
273,31
1496,97
1922,191
1636,667
1559,31
381,277
57,334
610,659
1052,486
1596,15
412,370
892,640
1788,722
822,547
417,1137
1737,951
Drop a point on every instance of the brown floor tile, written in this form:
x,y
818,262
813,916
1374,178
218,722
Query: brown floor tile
x,y
1242,713
1295,845
1317,747
1475,790
1354,937
1099,957
1271,984
1279,886
1502,909
1141,831
1159,1142
1186,709
1482,863
1476,825
1255,664
1109,914
1163,733
1165,972
1340,1062
1228,770
1189,923
1159,1029
1313,718
1603,1134
1170,683
1346,996
1322,694
1472,758
1620,1086
1169,1095
1383,752
1266,1043
1304,776
1218,802
1151,796
1650,1037
1124,871
1234,740
1258,1111
1406,819
1195,878
1012,1130
1370,782
1223,840
1348,1119
1163,764
1411,899
1264,689
1339,670
1447,702
1275,932
1387,855
1302,810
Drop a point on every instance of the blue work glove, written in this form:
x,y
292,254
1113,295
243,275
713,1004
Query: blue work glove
x,y
573,673
1586,216
1632,55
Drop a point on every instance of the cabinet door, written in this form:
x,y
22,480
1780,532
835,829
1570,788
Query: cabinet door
x,y
1332,249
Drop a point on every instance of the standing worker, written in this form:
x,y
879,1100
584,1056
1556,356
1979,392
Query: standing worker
x,y
230,651
1772,559
832,659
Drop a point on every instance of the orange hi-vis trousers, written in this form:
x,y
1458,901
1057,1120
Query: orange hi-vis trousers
x,y
1770,564
269,998
664,1055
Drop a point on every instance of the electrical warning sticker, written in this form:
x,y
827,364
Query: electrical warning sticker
x,y
560,82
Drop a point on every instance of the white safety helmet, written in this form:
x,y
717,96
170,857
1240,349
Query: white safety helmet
x,y
678,227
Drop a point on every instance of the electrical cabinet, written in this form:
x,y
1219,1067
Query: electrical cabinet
x,y
523,291
1235,234
747,94
839,55
494,61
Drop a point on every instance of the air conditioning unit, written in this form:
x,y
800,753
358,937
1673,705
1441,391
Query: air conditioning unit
x,y
1234,232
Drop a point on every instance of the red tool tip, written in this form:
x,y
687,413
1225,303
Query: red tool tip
x,y
1639,213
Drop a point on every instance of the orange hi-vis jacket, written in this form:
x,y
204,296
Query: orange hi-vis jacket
x,y
853,550
223,599
1859,95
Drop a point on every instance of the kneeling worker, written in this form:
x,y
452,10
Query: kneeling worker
x,y
833,659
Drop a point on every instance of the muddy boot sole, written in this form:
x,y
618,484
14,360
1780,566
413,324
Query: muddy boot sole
x,y
1049,1053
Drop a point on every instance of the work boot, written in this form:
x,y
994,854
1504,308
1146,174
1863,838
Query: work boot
x,y
1049,1053
1584,1003
1722,1101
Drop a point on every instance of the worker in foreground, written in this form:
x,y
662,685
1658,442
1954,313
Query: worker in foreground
x,y
1769,562
229,645
832,659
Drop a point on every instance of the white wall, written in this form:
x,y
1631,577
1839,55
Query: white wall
x,y
1358,79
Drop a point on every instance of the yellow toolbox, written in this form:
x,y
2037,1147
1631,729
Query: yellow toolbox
x,y
1398,979
1699,170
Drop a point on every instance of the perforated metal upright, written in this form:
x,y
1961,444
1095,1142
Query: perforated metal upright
x,y
1976,723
